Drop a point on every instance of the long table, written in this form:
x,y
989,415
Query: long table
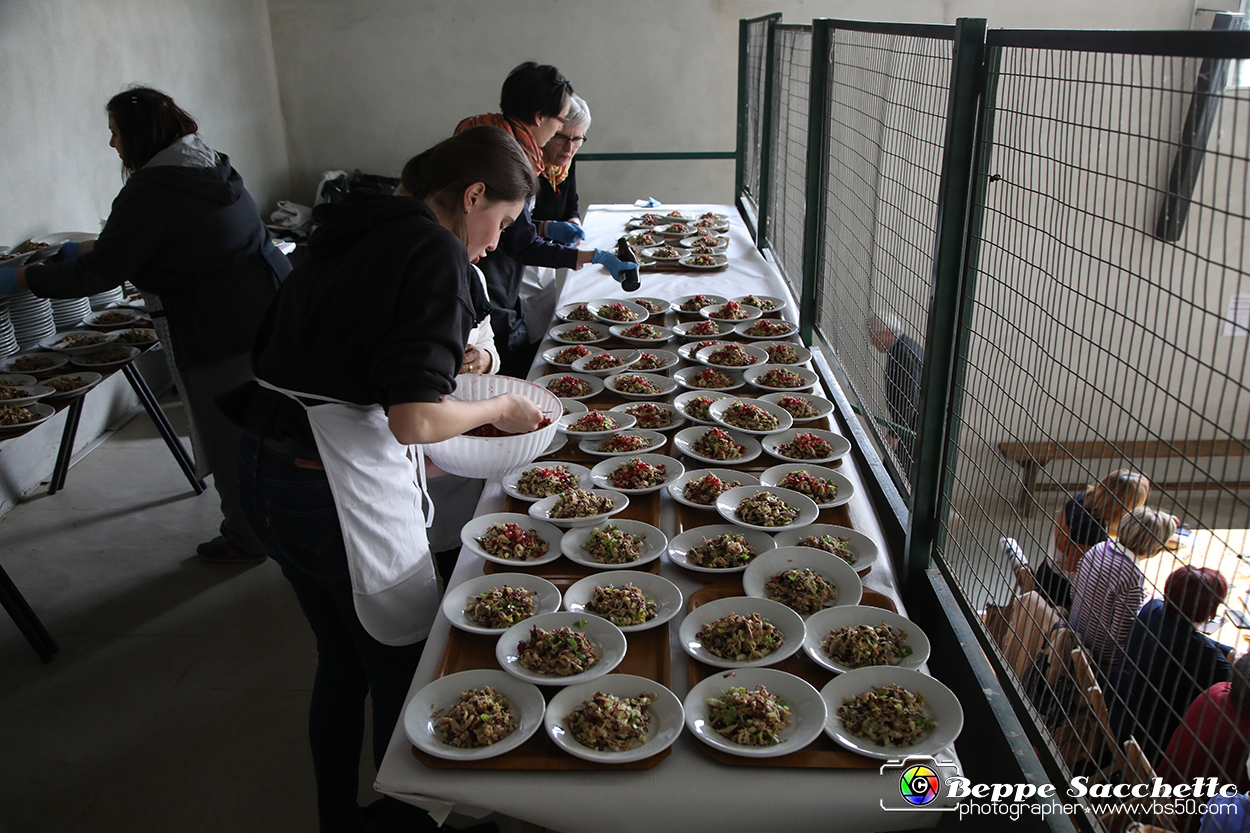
x,y
688,790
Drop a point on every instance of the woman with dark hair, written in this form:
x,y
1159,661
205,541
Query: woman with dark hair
x,y
534,105
334,427
1168,661
186,232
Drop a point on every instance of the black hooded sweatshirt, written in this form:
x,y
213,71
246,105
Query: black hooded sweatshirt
x,y
192,235
379,312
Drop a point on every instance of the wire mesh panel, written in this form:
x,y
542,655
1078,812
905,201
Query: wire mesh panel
x,y
786,200
1106,373
756,51
887,104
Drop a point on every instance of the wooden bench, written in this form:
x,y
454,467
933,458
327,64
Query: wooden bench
x,y
1032,456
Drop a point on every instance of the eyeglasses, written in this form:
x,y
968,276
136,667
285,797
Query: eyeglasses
x,y
565,139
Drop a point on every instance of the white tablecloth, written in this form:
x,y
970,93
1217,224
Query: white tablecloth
x,y
688,791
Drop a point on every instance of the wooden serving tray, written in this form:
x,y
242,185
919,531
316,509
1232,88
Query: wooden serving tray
x,y
647,656
822,753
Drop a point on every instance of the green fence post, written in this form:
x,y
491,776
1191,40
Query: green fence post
x,y
955,199
766,145
814,177
744,32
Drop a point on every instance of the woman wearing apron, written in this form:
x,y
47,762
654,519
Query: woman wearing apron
x,y
353,362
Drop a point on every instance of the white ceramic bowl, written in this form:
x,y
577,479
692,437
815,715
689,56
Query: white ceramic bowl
x,y
801,354
7,365
31,393
524,698
618,330
684,329
565,423
720,243
654,544
833,569
679,545
670,361
785,620
477,527
601,474
681,399
665,253
92,379
567,310
16,380
778,304
706,356
607,639
596,306
656,439
845,488
940,704
784,420
666,717
511,479
685,439
54,342
686,375
779,329
544,382
42,414
92,359
677,418
664,306
541,510
664,383
573,406
482,457
666,595
676,488
690,350
557,333
454,600
93,319
821,623
712,311
824,406
626,357
719,261
808,713
755,374
861,546
549,355
841,445
727,506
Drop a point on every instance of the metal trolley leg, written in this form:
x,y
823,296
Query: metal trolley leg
x,y
162,424
24,617
61,469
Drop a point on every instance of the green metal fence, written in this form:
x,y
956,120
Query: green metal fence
x,y
753,44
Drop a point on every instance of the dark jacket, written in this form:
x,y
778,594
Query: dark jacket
x,y
378,312
194,236
557,203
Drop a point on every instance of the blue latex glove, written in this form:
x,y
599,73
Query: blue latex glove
x,y
567,233
68,251
615,265
8,280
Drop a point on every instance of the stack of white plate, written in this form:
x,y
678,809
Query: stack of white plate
x,y
68,312
102,300
31,317
8,339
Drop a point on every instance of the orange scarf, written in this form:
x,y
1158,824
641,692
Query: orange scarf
x,y
516,129
555,174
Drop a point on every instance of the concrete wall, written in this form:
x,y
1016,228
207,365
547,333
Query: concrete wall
x,y
61,61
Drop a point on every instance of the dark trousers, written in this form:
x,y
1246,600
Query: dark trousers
x,y
291,511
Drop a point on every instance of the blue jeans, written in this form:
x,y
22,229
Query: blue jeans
x,y
291,512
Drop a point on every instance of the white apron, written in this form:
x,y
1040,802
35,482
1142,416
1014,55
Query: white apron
x,y
374,481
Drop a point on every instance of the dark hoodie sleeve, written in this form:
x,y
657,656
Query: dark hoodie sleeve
x,y
134,230
521,241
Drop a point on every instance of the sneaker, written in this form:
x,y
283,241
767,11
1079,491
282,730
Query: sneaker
x,y
221,551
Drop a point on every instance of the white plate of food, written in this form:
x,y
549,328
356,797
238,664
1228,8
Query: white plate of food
x,y
718,548
708,378
656,361
598,504
537,481
710,224
766,304
17,396
626,598
558,441
607,362
15,418
644,238
16,380
718,243
849,637
579,333
113,318
652,416
806,445
536,649
571,385
633,385
780,378
785,352
641,333
767,508
881,740
619,444
689,305
831,581
750,416
648,220
704,261
728,723
616,311
852,546
693,406
572,406
716,446
614,545
828,488
615,720
564,355
512,538
640,473
579,313
137,337
675,231
690,350
765,329
444,697
678,216
730,311
107,357
741,632
705,485
76,342
594,425
729,355
36,362
705,329
666,253
804,407
493,603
